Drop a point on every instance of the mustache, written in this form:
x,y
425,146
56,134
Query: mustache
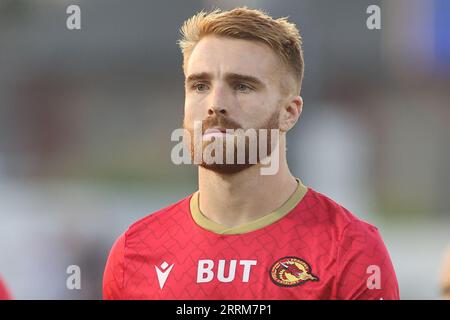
x,y
219,121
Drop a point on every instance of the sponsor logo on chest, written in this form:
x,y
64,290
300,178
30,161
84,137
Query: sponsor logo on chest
x,y
287,271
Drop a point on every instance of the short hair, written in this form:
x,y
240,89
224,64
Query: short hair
x,y
280,35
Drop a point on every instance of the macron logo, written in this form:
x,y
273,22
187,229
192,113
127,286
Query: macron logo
x,y
163,273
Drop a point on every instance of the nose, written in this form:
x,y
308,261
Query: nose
x,y
216,110
218,101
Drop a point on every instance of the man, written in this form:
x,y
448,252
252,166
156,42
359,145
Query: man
x,y
245,234
4,294
445,275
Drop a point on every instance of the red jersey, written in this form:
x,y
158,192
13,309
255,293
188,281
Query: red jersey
x,y
310,248
4,294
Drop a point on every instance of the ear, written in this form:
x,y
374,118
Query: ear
x,y
290,113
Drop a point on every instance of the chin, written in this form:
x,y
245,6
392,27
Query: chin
x,y
227,169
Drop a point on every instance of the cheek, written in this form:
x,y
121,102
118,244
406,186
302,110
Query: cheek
x,y
255,110
252,103
192,109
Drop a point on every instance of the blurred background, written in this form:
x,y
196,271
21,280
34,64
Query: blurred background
x,y
86,117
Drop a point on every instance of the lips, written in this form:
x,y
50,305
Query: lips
x,y
215,130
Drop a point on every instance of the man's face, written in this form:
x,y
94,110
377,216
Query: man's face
x,y
232,84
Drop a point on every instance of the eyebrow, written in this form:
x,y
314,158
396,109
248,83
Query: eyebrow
x,y
228,76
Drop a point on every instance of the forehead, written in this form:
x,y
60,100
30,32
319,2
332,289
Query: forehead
x,y
220,55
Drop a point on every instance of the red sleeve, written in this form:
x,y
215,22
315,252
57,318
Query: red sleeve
x,y
365,270
4,294
114,270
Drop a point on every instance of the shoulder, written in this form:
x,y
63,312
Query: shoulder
x,y
350,232
154,224
323,212
159,220
359,251
322,215
4,293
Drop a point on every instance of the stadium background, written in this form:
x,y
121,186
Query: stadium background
x,y
86,118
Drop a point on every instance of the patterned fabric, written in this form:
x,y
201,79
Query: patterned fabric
x,y
317,250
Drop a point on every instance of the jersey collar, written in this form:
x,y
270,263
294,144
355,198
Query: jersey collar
x,y
262,222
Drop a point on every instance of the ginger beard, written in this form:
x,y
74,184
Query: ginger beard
x,y
223,122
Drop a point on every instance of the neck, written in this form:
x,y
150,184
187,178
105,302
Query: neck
x,y
236,199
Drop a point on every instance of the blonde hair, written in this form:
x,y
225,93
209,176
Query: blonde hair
x,y
243,23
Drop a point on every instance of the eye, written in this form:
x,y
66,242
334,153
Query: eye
x,y
241,87
200,87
